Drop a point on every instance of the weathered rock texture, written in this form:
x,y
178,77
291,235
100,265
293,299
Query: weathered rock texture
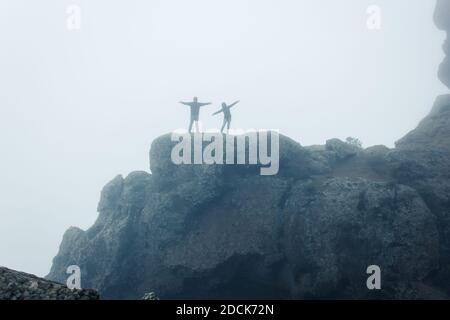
x,y
211,231
16,285
442,19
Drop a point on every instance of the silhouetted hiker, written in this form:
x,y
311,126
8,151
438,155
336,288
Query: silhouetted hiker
x,y
195,111
226,115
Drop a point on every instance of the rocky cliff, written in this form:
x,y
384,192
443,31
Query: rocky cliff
x,y
442,20
212,231
311,231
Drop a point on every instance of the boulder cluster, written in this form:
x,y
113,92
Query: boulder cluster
x,y
16,285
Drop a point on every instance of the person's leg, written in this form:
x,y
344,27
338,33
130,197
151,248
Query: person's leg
x,y
190,125
196,126
228,125
223,125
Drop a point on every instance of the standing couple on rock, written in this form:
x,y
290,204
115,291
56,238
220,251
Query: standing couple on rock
x,y
195,111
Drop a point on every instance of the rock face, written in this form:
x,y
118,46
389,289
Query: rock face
x,y
16,285
311,231
442,19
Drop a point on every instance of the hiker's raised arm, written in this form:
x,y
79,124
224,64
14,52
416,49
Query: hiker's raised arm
x,y
217,112
232,105
205,104
185,103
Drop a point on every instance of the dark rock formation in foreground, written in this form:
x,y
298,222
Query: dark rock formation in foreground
x,y
16,285
212,231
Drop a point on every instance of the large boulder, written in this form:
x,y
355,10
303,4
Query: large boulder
x,y
220,231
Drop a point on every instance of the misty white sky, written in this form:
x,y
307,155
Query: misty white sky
x,y
77,108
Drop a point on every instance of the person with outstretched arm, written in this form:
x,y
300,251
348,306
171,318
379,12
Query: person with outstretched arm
x,y
226,115
195,111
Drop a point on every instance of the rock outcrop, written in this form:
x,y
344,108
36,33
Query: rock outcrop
x,y
442,20
311,231
218,231
16,285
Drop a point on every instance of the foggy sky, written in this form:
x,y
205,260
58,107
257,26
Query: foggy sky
x,y
79,107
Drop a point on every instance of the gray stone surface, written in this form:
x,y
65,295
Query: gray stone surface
x,y
442,19
16,285
199,231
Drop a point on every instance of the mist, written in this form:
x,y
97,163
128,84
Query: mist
x,y
78,107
